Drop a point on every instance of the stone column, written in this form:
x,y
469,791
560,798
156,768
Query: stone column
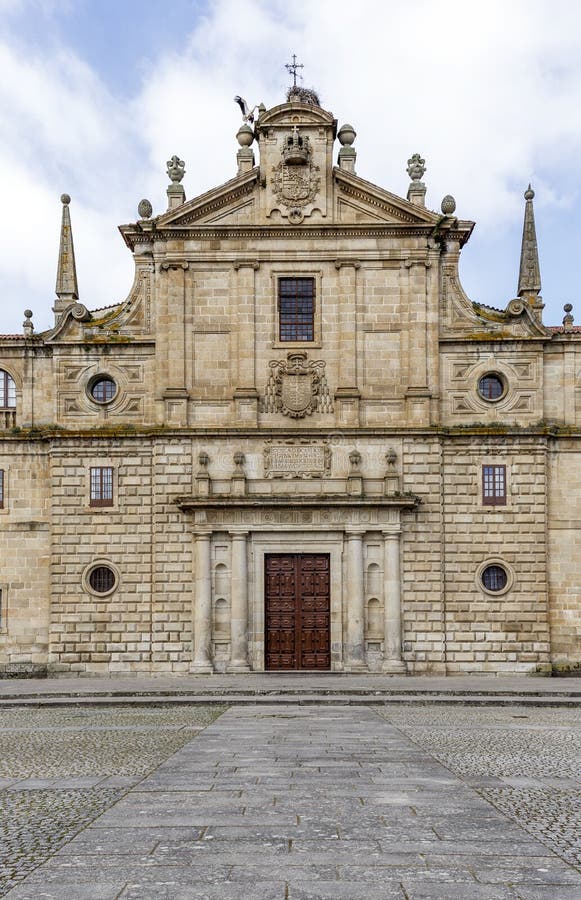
x,y
355,656
392,661
202,662
239,605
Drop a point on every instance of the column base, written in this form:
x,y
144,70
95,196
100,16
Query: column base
x,y
356,667
394,667
236,667
201,669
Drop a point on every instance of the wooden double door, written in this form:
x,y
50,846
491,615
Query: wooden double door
x,y
298,611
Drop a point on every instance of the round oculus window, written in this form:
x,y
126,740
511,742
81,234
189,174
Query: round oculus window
x,y
491,386
102,579
103,389
494,578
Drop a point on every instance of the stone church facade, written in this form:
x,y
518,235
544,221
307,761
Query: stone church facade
x,y
297,444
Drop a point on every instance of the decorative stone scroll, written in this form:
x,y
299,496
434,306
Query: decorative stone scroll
x,y
297,387
292,459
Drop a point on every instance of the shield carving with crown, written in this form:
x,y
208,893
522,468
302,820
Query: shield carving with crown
x,y
296,180
297,387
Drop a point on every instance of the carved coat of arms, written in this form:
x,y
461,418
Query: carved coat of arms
x,y
297,387
296,180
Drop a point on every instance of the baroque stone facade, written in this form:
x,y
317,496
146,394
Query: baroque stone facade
x,y
296,444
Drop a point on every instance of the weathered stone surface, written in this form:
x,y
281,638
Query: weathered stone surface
x,y
363,437
344,838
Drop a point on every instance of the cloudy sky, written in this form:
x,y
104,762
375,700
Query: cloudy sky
x,y
96,95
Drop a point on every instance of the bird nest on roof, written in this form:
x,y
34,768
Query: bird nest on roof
x,y
297,94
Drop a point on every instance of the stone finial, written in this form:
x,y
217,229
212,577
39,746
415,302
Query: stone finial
x,y
391,483
245,155
238,480
347,153
245,135
448,206
203,480
417,190
529,277
568,319
27,325
355,477
144,209
66,289
176,169
355,461
416,167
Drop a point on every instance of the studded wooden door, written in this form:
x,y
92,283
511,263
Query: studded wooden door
x,y
297,611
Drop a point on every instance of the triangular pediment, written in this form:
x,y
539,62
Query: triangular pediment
x,y
358,201
232,203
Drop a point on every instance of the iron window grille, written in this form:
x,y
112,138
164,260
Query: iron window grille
x,y
101,492
296,309
494,578
494,485
102,579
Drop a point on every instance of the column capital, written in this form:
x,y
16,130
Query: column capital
x,y
238,535
354,532
391,533
203,534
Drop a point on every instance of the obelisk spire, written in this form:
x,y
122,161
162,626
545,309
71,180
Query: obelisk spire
x,y
529,276
67,289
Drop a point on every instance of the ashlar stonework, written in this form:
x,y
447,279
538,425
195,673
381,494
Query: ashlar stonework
x,y
296,375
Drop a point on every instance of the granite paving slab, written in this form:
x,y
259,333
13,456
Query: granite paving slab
x,y
284,803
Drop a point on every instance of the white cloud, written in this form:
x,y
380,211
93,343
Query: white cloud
x,y
487,92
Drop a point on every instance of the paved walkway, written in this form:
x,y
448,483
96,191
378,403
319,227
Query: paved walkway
x,y
285,802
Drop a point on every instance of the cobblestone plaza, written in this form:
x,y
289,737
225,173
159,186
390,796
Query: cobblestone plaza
x,y
286,801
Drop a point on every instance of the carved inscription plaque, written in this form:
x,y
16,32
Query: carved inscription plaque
x,y
290,460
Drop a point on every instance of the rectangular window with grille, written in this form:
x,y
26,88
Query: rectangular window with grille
x,y
1,488
101,486
296,309
494,485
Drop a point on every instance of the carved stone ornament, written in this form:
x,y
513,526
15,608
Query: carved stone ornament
x,y
296,459
144,209
297,387
295,179
176,169
416,167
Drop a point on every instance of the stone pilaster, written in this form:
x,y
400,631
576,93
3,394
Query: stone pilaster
x,y
202,612
355,650
239,601
392,661
175,393
417,393
245,393
347,394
